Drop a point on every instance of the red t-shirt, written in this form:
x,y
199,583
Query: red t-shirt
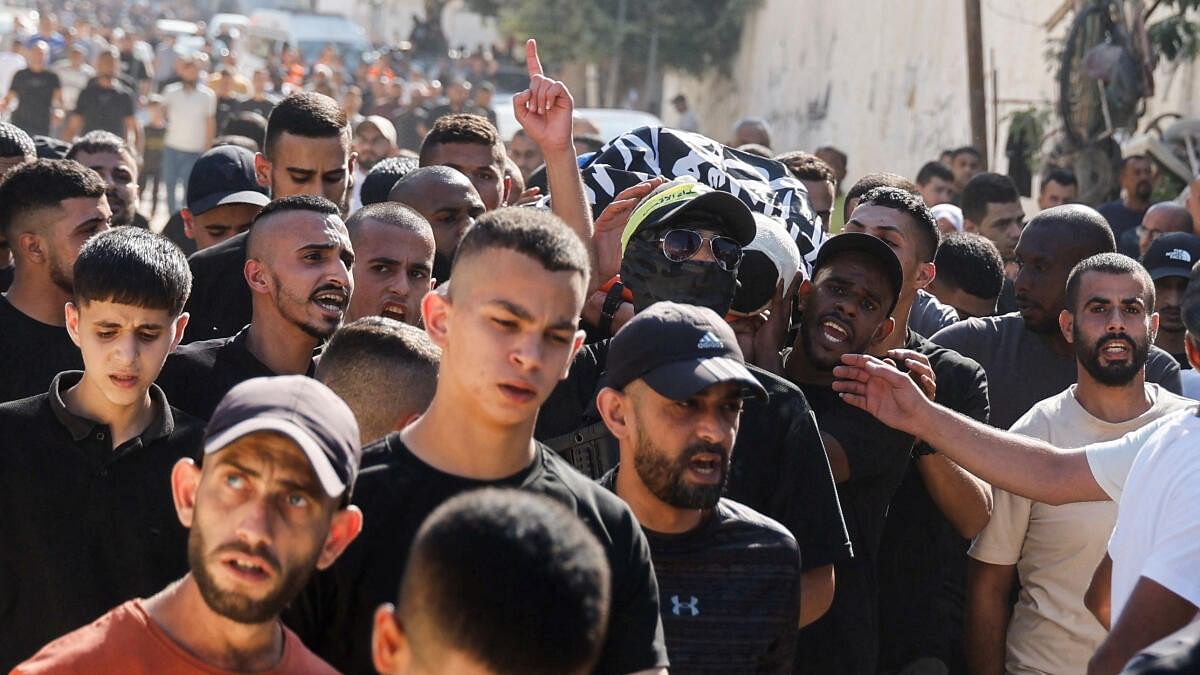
x,y
126,640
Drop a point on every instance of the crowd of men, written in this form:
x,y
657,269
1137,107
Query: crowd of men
x,y
418,401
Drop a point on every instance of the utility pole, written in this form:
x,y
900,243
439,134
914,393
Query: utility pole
x,y
977,92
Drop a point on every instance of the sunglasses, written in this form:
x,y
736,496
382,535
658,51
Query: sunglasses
x,y
680,245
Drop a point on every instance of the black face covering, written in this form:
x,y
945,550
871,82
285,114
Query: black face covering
x,y
652,278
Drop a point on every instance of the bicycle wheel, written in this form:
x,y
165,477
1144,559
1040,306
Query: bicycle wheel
x,y
1079,96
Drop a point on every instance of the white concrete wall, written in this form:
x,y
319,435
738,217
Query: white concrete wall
x,y
885,80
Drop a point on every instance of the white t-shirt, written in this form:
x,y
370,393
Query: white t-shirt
x,y
1190,379
1110,461
188,113
1158,525
1057,548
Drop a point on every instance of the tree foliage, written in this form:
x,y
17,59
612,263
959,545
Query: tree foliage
x,y
694,37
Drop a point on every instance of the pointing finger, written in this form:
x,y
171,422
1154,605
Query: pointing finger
x,y
532,63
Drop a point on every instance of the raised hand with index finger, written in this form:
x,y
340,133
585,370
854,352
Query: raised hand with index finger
x,y
545,109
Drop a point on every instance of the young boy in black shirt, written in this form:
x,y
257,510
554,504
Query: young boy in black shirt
x,y
508,328
86,513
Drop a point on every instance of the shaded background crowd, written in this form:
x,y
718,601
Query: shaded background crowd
x,y
1052,299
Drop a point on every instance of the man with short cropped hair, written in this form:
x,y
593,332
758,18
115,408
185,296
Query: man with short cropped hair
x,y
446,622
970,275
298,265
449,203
817,177
395,250
991,207
111,157
936,184
307,152
268,507
525,153
191,109
48,209
16,147
383,177
966,162
384,370
38,93
1049,552
504,347
1161,219
710,553
105,104
1137,187
870,182
1025,354
85,507
471,145
1058,187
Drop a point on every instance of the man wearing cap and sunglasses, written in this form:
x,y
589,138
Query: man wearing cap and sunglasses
x,y
729,577
683,243
268,507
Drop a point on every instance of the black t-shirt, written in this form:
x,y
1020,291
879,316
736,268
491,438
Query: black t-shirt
x,y
105,108
397,491
220,301
227,107
1120,217
6,278
35,93
779,466
31,353
84,526
846,639
922,558
198,375
729,592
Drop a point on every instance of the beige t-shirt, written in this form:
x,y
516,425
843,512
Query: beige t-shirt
x,y
1056,548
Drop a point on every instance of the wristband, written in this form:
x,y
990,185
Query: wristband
x,y
612,303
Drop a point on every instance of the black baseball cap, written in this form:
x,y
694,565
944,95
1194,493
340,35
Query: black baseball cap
x,y
678,350
304,410
1172,255
224,175
859,242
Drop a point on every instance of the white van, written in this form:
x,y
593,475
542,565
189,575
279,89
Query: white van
x,y
310,33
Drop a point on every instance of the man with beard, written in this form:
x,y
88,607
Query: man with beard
x,y
307,152
937,507
374,140
298,269
191,109
847,308
1169,261
1025,354
268,507
105,104
109,156
38,92
1051,551
674,398
671,242
395,250
1137,186
504,346
448,202
48,209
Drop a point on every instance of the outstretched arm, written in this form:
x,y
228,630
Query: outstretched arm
x,y
1021,465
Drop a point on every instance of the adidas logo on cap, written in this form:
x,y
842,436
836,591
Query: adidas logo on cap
x,y
710,341
1180,255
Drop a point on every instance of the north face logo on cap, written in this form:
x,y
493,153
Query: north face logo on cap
x,y
1180,255
710,341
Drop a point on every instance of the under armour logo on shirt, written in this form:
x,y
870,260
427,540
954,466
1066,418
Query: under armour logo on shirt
x,y
677,607
710,341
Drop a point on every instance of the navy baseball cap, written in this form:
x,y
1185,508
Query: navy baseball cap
x,y
1172,255
678,350
304,410
224,175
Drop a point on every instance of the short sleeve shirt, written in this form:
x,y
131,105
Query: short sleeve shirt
x,y
1022,369
1157,535
188,113
220,301
1057,548
35,92
105,108
1111,461
397,491
729,592
126,640
31,353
